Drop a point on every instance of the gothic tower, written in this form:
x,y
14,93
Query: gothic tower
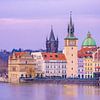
x,y
52,43
70,51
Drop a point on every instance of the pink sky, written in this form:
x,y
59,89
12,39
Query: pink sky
x,y
26,23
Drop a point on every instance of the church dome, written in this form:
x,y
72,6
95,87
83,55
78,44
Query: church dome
x,y
89,41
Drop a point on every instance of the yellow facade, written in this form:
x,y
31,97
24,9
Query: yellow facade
x,y
89,67
20,65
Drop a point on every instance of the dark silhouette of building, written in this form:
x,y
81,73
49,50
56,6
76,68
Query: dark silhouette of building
x,y
52,43
4,55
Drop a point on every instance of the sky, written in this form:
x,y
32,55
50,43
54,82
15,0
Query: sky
x,y
26,23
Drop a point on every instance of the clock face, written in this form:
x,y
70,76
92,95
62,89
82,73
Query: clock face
x,y
72,43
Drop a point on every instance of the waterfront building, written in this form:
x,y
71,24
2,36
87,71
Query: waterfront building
x,y
52,43
80,67
20,65
86,53
70,51
50,64
96,60
39,63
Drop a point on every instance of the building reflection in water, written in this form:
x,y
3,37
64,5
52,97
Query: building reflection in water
x,y
70,90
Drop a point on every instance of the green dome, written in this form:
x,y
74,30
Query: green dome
x,y
89,41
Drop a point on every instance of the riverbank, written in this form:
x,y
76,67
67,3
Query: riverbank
x,y
64,81
57,81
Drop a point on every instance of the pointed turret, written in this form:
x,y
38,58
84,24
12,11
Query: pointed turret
x,y
52,37
52,43
70,28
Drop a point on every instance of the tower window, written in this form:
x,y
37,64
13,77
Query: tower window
x,y
50,56
56,56
71,68
45,56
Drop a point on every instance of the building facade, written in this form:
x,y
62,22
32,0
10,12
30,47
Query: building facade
x,y
87,53
81,67
20,65
70,51
50,64
52,43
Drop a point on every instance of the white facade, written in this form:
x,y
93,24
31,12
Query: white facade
x,y
81,68
50,67
39,63
55,68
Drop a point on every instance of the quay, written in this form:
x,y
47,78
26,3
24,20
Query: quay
x,y
62,81
56,81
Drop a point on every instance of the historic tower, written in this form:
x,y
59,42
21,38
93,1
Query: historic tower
x,y
71,50
52,43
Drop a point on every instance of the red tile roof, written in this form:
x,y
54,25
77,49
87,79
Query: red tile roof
x,y
53,56
18,54
86,52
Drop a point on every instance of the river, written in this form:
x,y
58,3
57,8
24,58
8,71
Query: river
x,y
48,92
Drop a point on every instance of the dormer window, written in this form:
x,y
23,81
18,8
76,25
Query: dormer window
x,y
50,55
56,56
45,56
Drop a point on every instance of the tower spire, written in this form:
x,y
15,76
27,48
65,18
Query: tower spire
x,y
52,37
70,27
71,18
52,43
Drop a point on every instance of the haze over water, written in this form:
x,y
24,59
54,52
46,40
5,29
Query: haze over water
x,y
48,92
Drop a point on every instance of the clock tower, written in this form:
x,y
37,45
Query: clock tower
x,y
71,50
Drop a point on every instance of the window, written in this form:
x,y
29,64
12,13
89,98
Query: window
x,y
50,55
71,68
45,56
56,56
65,66
62,66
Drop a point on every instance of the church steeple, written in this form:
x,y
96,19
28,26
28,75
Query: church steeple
x,y
52,37
71,27
52,43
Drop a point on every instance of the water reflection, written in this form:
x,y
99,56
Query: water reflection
x,y
48,92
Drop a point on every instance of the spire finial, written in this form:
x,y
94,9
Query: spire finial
x,y
70,17
88,34
70,13
51,27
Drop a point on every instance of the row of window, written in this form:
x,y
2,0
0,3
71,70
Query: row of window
x,y
63,71
56,66
97,69
80,70
88,68
85,76
88,64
